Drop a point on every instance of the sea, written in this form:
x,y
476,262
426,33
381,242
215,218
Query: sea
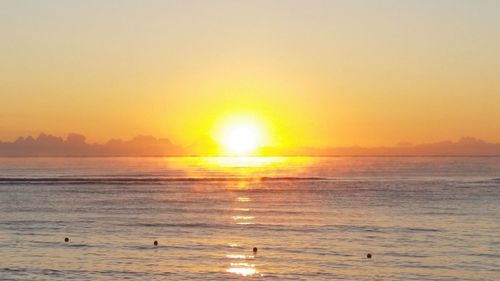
x,y
308,218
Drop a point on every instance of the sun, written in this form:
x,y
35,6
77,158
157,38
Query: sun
x,y
241,140
240,136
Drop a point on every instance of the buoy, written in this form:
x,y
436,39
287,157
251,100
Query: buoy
x,y
66,239
155,243
368,256
254,250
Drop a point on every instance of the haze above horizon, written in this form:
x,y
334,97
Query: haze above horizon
x,y
251,74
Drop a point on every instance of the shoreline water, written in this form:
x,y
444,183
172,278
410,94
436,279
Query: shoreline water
x,y
426,218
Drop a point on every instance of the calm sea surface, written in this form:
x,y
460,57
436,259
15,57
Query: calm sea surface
x,y
422,218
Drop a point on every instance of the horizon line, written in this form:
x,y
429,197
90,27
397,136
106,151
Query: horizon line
x,y
260,156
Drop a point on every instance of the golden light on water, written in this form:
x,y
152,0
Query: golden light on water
x,y
242,162
242,264
236,256
243,217
244,271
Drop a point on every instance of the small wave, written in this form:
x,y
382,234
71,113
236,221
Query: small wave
x,y
183,225
415,229
14,269
405,255
488,255
143,180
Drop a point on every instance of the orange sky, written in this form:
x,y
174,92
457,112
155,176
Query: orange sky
x,y
316,73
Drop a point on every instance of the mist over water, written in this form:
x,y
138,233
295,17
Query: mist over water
x,y
421,218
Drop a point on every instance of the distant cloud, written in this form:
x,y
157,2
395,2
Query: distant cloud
x,y
76,145
466,146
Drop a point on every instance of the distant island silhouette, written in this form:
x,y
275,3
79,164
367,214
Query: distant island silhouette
x,y
76,145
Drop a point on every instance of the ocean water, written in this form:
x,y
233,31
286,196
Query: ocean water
x,y
421,218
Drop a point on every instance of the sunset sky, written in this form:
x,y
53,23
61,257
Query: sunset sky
x,y
308,73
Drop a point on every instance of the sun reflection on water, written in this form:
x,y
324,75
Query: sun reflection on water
x,y
244,271
236,256
248,162
241,264
243,218
252,168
